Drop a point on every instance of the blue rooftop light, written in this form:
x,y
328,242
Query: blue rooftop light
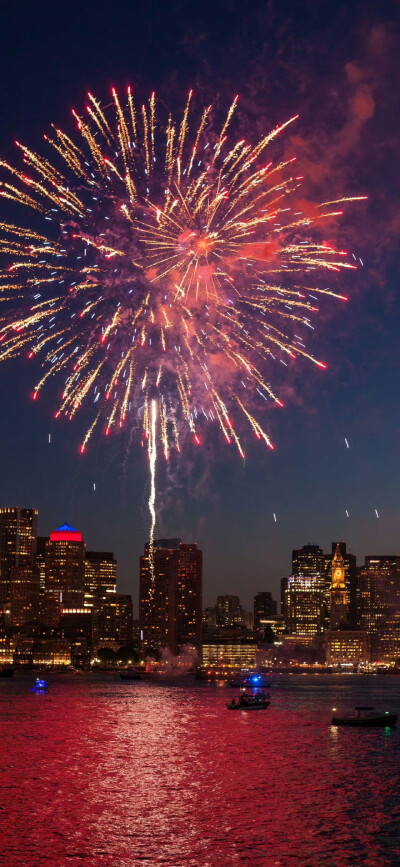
x,y
65,528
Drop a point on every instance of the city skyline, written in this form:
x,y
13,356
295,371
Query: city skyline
x,y
336,438
319,562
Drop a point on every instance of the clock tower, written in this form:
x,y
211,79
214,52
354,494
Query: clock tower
x,y
338,592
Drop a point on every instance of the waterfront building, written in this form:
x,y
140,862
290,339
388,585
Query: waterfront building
x,y
170,604
19,586
347,647
64,573
338,607
265,607
304,605
229,653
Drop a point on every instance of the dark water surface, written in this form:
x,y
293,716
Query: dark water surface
x,y
102,773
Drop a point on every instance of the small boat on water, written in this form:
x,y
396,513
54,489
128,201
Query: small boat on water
x,y
130,674
366,716
39,685
251,680
249,702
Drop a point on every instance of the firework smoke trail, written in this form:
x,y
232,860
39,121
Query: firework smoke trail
x,y
152,497
170,267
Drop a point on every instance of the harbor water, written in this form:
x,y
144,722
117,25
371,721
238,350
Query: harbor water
x,y
102,772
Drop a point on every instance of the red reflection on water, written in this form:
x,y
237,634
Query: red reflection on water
x,y
111,774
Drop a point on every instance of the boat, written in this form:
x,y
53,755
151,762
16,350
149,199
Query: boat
x,y
251,680
366,716
39,685
249,702
6,671
130,674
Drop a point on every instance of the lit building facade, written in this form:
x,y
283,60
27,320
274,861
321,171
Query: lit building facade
x,y
304,605
100,579
19,588
347,647
170,612
229,654
64,573
338,607
379,591
113,622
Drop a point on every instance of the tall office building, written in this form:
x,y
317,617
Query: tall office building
x,y
229,611
64,573
309,562
379,591
304,605
100,578
265,607
19,586
170,606
113,622
338,607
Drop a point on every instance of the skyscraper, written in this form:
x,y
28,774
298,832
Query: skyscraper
x,y
379,588
265,607
19,584
170,606
64,573
100,578
229,611
304,605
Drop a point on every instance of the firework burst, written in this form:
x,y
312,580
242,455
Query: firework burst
x,y
170,274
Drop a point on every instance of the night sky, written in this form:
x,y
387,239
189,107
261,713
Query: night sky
x,y
336,64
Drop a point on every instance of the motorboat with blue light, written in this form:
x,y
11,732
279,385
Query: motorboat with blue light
x,y
39,685
255,681
259,701
366,717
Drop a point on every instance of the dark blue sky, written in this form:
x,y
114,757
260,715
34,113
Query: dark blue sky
x,y
337,64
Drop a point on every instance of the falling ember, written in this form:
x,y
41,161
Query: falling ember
x,y
152,446
162,265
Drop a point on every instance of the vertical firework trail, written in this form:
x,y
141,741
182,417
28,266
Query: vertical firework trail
x,y
152,497
166,274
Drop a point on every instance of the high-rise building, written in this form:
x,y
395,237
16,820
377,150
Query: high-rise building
x,y
338,607
309,562
100,578
113,623
265,607
304,605
19,586
64,573
379,589
170,604
229,611
40,566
